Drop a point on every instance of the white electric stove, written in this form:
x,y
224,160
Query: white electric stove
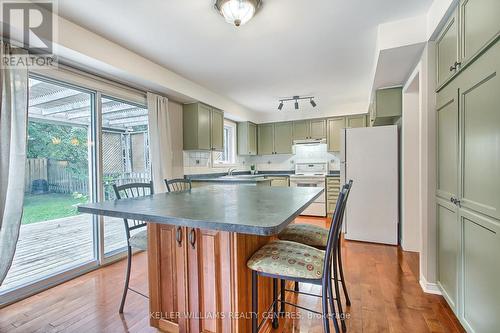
x,y
311,175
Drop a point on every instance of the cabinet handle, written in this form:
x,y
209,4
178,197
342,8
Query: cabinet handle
x,y
192,238
178,236
458,203
454,67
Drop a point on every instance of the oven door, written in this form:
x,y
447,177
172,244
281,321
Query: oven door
x,y
318,207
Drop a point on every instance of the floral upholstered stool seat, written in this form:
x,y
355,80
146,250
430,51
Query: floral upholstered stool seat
x,y
307,234
288,259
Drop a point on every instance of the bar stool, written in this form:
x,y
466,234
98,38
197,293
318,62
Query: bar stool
x,y
140,239
285,260
317,237
178,185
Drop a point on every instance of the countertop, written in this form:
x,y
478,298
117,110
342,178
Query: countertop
x,y
254,210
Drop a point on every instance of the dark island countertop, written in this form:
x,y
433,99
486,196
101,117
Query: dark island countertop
x,y
251,210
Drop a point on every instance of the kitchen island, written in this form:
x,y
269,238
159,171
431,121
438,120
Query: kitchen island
x,y
198,246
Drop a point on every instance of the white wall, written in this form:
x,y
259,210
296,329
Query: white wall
x,y
410,173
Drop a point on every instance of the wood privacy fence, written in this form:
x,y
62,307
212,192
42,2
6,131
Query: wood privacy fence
x,y
61,180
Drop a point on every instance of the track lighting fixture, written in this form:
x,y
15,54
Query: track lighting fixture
x,y
296,101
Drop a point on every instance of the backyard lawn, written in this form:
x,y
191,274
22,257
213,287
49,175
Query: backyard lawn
x,y
44,207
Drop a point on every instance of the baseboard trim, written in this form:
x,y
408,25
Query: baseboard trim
x,y
429,288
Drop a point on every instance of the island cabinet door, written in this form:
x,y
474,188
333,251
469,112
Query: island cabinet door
x,y
167,254
209,281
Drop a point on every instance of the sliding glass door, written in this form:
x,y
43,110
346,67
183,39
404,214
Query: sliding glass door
x,y
60,173
125,159
81,141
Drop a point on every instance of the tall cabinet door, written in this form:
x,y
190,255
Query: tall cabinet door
x,y
283,138
252,139
447,50
480,134
203,128
447,142
265,139
217,129
448,249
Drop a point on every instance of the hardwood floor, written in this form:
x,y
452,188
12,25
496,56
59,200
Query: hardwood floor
x,y
382,281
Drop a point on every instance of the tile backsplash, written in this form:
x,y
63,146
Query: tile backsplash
x,y
200,162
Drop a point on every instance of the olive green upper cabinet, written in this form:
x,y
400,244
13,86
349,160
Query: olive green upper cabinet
x,y
217,129
247,138
480,25
388,106
356,121
318,129
283,138
309,129
479,87
265,139
275,138
203,127
301,129
334,137
447,50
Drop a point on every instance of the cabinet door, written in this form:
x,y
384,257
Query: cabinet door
x,y
356,121
335,126
447,49
480,24
266,139
447,142
167,276
283,138
481,272
301,129
448,250
318,129
203,128
209,278
480,134
252,139
217,129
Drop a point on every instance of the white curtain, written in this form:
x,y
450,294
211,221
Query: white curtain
x,y
13,124
160,141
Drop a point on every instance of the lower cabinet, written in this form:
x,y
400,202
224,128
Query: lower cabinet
x,y
279,181
481,272
448,250
199,282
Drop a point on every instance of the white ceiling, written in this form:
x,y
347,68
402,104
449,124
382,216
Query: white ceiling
x,y
324,48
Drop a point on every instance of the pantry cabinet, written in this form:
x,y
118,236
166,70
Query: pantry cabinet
x,y
447,49
203,127
468,189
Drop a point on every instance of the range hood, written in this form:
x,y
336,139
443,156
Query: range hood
x,y
308,141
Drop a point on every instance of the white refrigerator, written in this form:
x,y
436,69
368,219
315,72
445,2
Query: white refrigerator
x,y
370,158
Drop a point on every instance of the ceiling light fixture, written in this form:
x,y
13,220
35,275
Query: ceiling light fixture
x,y
296,99
237,12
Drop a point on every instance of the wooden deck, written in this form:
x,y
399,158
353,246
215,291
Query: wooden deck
x,y
50,247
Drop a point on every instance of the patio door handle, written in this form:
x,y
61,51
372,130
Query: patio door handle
x,y
192,238
178,236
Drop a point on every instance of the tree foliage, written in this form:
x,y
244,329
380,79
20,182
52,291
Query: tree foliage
x,y
60,142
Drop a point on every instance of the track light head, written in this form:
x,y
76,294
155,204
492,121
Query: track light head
x,y
296,104
313,103
280,106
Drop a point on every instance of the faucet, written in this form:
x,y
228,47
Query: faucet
x,y
230,171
